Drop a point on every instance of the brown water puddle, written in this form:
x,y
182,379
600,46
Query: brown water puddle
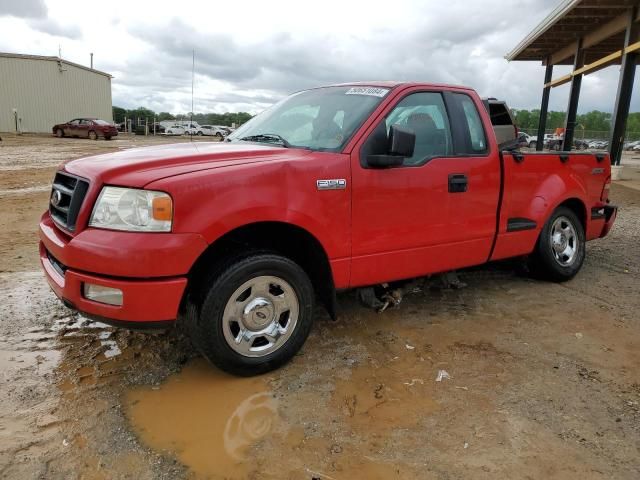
x,y
208,419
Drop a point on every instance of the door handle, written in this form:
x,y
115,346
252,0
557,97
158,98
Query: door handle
x,y
458,183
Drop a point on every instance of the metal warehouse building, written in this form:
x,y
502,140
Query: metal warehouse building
x,y
37,92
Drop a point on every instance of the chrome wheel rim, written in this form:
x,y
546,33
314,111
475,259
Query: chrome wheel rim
x,y
260,316
564,241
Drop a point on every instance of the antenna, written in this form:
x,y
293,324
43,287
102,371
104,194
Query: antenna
x,y
193,69
59,51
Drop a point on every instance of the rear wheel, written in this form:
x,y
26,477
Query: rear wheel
x,y
93,135
533,144
560,249
219,135
252,314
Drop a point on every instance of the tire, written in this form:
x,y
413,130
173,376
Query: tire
x,y
267,296
93,135
59,133
200,134
107,138
533,144
219,136
552,259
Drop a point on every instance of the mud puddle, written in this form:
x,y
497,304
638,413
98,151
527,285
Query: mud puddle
x,y
208,419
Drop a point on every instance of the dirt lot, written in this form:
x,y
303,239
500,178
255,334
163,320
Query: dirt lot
x,y
544,378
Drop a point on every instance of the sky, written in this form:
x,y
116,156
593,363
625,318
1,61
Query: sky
x,y
250,54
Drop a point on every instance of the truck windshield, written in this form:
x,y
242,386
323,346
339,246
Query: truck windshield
x,y
319,119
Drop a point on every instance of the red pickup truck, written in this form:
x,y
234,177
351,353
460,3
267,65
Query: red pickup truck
x,y
330,189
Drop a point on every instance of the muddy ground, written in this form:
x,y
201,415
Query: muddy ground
x,y
544,379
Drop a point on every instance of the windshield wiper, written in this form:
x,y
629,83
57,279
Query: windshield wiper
x,y
265,137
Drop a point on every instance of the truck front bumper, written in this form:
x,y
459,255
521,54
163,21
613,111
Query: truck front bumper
x,y
69,264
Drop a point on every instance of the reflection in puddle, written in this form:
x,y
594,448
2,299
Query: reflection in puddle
x,y
252,420
207,418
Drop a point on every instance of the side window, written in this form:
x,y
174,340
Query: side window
x,y
475,140
74,122
426,115
499,114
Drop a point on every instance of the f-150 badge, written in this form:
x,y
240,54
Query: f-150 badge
x,y
331,184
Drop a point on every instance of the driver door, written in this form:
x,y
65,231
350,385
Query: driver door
x,y
72,127
435,212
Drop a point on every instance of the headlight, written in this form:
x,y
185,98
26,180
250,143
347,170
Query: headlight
x,y
133,210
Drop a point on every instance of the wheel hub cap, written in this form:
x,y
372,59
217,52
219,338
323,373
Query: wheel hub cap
x,y
260,316
258,313
564,241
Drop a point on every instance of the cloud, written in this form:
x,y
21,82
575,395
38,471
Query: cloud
x,y
55,28
251,57
23,8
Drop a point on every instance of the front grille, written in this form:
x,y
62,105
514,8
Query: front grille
x,y
67,195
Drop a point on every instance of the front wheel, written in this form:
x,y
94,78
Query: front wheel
x,y
533,144
560,249
59,133
253,314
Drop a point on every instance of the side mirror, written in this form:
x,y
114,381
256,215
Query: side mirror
x,y
402,141
401,145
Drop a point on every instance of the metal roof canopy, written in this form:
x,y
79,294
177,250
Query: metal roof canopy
x,y
590,35
600,23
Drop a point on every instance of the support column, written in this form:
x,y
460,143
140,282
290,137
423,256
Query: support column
x,y
574,97
544,107
625,88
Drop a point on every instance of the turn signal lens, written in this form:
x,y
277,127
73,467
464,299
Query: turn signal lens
x,y
162,208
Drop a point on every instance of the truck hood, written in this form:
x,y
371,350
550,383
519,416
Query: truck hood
x,y
140,166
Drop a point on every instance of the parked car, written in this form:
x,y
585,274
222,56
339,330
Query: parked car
x,y
631,145
174,130
157,128
526,140
190,128
636,148
504,125
580,144
212,130
373,183
599,144
92,128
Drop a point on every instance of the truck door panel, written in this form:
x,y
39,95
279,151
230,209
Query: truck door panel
x,y
436,212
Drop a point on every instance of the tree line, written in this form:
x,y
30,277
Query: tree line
x,y
592,124
141,114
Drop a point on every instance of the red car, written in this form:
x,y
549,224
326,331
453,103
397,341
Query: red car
x,y
333,188
86,128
